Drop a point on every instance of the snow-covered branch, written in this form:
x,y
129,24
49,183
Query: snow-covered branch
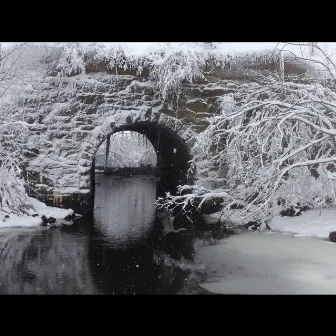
x,y
13,134
13,196
276,141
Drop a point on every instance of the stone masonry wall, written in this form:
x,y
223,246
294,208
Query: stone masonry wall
x,y
63,112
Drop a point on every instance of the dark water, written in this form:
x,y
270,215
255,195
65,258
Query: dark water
x,y
121,253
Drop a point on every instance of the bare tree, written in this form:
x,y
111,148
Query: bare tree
x,y
9,64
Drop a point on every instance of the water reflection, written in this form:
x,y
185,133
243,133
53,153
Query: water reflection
x,y
118,255
123,242
44,261
124,216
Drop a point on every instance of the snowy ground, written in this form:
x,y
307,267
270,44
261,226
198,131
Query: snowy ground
x,y
29,221
311,223
270,263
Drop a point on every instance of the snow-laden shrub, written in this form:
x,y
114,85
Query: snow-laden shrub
x,y
168,64
271,141
71,61
276,141
13,195
172,66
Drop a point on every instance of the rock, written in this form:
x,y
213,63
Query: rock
x,y
291,212
70,217
302,208
44,221
281,201
252,224
210,206
77,219
5,218
217,91
35,215
332,236
236,206
197,105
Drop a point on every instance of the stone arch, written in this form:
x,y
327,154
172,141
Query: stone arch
x,y
146,122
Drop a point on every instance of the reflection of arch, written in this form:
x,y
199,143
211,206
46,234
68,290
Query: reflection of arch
x,y
121,219
170,138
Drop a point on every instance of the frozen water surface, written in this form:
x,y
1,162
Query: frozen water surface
x,y
259,263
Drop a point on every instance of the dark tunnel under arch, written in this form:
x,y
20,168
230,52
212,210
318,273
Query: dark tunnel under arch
x,y
164,132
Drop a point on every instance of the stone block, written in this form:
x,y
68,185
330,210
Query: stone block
x,y
197,105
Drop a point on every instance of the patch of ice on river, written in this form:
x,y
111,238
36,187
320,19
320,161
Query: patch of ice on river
x,y
255,263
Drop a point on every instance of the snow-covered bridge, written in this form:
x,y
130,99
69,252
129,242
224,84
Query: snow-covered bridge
x,y
71,115
73,120
171,140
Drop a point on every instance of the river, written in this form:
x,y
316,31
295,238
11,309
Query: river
x,y
119,254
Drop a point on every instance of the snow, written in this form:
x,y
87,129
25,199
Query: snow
x,y
142,48
66,190
230,217
311,222
260,263
292,258
29,221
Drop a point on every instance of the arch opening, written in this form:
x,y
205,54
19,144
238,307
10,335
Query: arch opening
x,y
126,151
171,140
172,155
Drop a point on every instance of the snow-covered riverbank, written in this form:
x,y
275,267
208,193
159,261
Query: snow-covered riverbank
x,y
311,223
29,221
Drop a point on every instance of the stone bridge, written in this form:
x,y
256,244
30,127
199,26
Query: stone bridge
x,y
71,116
